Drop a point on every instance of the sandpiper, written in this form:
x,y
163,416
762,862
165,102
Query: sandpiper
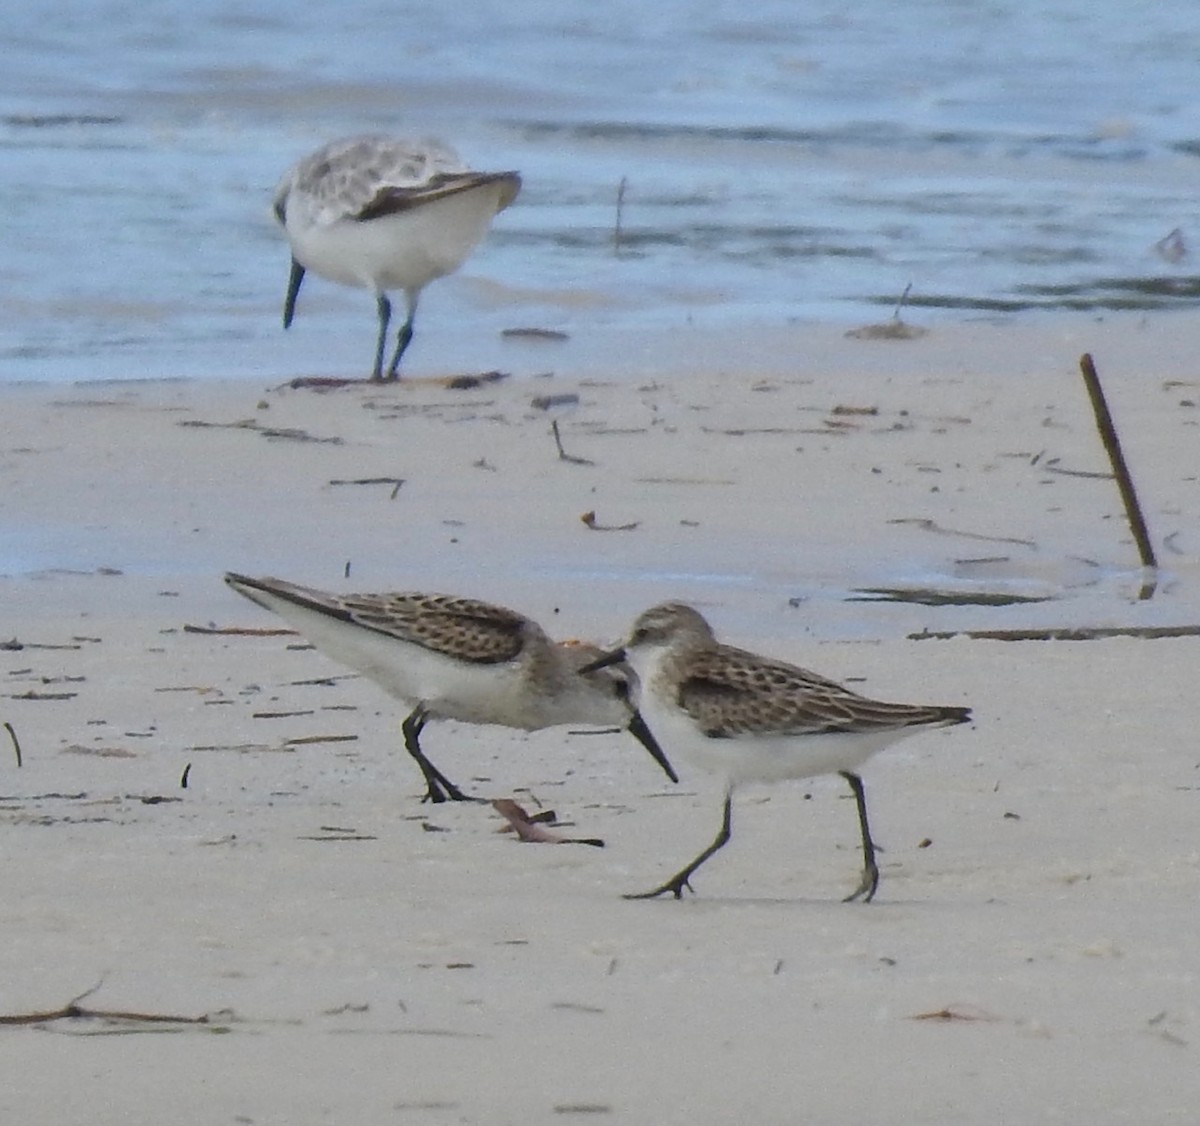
x,y
384,214
751,718
455,658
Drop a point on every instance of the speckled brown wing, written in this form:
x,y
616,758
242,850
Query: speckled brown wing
x,y
463,628
730,692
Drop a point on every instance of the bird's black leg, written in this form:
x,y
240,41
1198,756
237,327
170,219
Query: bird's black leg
x,y
295,280
403,337
439,788
679,881
384,307
870,876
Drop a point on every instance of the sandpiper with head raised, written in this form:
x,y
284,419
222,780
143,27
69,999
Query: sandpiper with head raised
x,y
751,718
385,214
455,658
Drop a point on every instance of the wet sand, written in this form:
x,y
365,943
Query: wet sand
x,y
360,957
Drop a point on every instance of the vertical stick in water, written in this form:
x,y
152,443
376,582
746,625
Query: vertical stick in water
x,y
617,232
1112,445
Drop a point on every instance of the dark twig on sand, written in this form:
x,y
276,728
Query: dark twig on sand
x,y
240,631
548,402
73,1010
1112,446
16,744
562,454
590,521
395,482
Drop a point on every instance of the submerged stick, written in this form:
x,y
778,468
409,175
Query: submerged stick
x,y
1112,446
620,209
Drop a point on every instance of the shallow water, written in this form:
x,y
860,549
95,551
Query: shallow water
x,y
996,158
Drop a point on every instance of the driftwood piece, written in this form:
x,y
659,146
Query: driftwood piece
x,y
1112,446
73,1010
531,829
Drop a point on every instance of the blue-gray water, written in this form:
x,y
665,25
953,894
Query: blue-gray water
x,y
783,161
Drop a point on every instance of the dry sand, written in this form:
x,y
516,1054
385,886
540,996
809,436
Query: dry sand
x,y
361,958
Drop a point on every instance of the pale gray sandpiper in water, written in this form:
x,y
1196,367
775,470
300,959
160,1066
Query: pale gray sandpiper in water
x,y
385,214
756,719
455,658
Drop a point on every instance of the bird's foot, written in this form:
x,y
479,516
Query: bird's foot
x,y
675,886
438,794
866,886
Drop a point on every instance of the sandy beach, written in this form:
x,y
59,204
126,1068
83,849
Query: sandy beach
x,y
334,951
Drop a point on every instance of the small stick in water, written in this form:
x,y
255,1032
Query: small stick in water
x,y
620,208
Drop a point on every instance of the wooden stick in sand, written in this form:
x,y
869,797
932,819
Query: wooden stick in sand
x,y
1112,445
15,742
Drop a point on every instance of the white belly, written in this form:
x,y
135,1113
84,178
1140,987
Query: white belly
x,y
406,250
763,758
502,693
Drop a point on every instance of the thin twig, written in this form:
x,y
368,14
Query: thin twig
x,y
1061,633
1112,446
73,1010
16,744
590,521
395,482
562,454
240,631
927,525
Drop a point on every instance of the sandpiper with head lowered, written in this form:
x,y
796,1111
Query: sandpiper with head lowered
x,y
756,719
385,214
455,658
